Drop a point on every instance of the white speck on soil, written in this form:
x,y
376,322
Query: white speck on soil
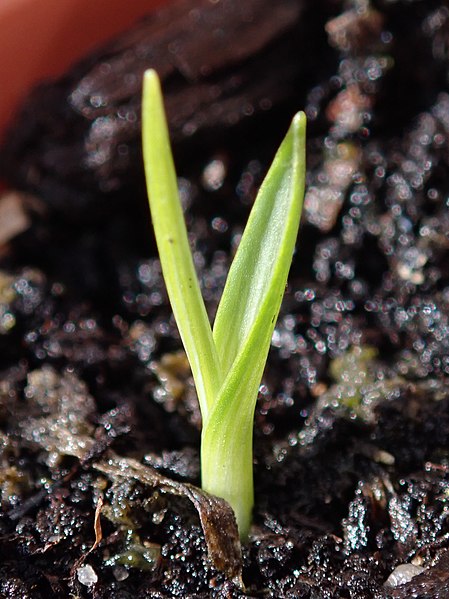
x,y
87,575
402,574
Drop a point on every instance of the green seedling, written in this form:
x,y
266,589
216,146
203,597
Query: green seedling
x,y
227,361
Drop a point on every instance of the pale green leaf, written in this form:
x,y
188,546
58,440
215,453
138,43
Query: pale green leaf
x,y
256,281
245,321
173,245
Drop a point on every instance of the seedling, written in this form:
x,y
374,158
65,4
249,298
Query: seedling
x,y
227,362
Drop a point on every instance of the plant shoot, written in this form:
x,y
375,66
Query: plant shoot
x,y
227,361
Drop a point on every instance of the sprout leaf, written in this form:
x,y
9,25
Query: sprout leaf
x,y
246,318
174,250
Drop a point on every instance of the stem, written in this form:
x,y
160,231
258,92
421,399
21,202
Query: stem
x,y
227,469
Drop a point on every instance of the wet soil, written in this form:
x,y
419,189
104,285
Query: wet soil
x,y
99,422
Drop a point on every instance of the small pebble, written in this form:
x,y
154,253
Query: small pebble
x,y
87,575
402,574
120,573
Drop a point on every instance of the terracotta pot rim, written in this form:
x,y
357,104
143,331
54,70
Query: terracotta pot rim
x,y
41,38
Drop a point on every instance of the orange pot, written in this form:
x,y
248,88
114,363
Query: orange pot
x,y
41,38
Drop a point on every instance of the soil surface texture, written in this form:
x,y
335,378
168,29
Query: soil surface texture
x,y
99,421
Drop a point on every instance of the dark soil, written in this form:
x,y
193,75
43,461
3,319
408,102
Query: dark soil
x,y
100,426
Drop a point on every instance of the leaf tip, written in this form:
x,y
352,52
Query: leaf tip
x,y
150,76
151,84
299,124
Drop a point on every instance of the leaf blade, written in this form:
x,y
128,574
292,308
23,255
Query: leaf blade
x,y
173,245
243,344
258,274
